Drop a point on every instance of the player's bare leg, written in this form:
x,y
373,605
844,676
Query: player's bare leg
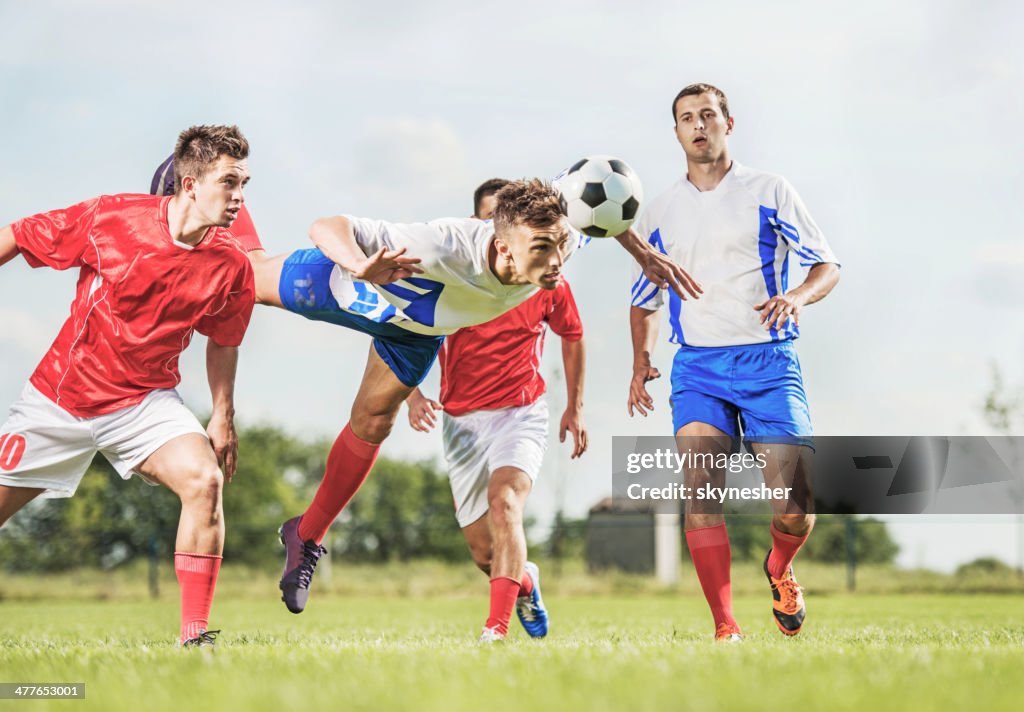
x,y
706,535
787,466
188,467
348,464
14,498
498,545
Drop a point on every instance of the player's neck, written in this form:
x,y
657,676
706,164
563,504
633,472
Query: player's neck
x,y
184,224
707,176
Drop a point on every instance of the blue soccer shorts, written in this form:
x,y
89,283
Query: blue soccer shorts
x,y
305,288
756,390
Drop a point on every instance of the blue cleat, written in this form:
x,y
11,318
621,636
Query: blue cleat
x,y
530,609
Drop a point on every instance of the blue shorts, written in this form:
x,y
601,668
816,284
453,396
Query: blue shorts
x,y
305,288
757,389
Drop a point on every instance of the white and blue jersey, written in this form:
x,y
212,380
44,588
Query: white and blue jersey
x,y
457,287
408,318
738,242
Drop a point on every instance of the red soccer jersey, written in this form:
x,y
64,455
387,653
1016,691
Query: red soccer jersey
x,y
140,296
497,364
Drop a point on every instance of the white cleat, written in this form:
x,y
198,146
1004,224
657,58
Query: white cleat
x,y
490,635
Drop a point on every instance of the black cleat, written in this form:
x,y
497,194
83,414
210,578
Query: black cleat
x,y
300,560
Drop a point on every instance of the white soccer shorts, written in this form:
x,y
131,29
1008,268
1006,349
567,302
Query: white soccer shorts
x,y
478,443
44,446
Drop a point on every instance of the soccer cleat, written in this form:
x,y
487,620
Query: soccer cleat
x,y
490,635
530,609
205,639
788,606
300,559
726,633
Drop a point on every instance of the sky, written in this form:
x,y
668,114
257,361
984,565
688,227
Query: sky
x,y
898,123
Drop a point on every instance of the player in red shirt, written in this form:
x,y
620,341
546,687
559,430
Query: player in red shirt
x,y
495,434
152,271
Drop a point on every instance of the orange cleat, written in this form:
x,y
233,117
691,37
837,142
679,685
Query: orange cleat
x,y
728,633
788,607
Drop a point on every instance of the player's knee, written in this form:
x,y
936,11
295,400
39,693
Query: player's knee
x,y
796,524
204,484
505,506
373,428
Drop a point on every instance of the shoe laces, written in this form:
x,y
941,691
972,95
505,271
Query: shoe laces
x,y
789,592
491,635
311,553
526,608
205,637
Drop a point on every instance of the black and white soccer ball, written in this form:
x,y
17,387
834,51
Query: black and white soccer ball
x,y
602,195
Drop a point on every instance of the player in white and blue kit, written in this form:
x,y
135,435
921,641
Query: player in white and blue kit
x,y
739,231
408,285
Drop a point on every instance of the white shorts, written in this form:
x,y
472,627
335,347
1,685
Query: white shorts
x,y
44,446
478,443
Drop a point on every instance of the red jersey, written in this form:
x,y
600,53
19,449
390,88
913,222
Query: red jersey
x,y
140,296
497,364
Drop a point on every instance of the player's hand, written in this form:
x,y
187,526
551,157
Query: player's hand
x,y
421,412
572,421
224,440
775,312
639,398
386,266
661,271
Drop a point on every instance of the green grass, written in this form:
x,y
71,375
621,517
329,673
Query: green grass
x,y
606,652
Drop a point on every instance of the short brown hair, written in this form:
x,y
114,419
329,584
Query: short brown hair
x,y
697,90
488,187
528,202
199,147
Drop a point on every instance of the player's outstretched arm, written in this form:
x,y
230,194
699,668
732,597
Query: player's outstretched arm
x,y
336,238
643,327
659,269
221,365
421,411
574,362
821,279
8,247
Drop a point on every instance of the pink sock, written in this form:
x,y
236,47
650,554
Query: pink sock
x,y
348,465
712,557
197,578
784,548
504,591
526,585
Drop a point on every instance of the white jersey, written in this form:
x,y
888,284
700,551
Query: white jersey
x,y
736,242
457,287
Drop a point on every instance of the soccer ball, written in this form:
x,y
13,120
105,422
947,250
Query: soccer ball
x,y
602,195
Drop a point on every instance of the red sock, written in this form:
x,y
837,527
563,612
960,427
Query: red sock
x,y
526,585
709,549
504,591
784,548
245,231
348,464
197,577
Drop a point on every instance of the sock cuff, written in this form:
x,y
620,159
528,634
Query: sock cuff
x,y
196,563
358,446
707,536
783,536
517,582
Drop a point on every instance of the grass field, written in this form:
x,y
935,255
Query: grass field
x,y
607,651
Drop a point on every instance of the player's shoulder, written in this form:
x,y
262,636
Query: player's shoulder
x,y
760,183
129,200
663,202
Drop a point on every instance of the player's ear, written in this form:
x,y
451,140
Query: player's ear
x,y
188,186
728,125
